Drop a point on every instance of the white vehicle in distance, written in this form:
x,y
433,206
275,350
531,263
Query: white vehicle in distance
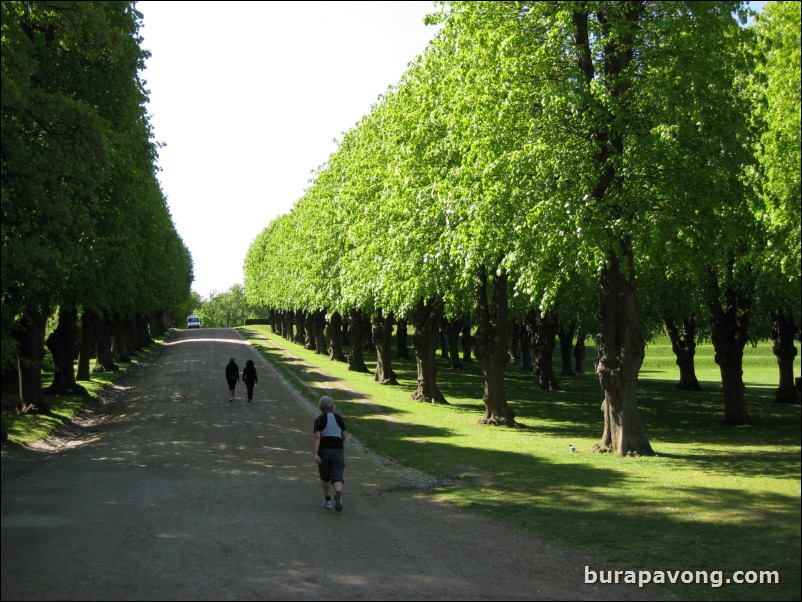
x,y
193,322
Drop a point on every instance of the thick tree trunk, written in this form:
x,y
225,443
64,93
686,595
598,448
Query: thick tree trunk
x,y
356,335
62,345
383,339
466,343
334,330
29,332
730,325
425,340
288,320
104,359
452,330
300,329
87,345
621,352
783,332
156,323
684,345
122,341
401,339
579,353
566,336
316,326
543,332
142,333
492,340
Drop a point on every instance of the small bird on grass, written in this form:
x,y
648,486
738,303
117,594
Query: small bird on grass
x,y
571,448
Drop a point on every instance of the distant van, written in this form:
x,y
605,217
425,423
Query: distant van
x,y
193,322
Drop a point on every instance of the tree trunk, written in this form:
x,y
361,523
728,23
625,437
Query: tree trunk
x,y
425,341
87,345
492,340
356,334
730,325
684,346
621,352
383,339
543,331
29,332
518,334
122,339
782,334
566,336
452,329
579,353
318,328
142,333
526,346
401,339
335,333
466,343
300,329
104,359
62,345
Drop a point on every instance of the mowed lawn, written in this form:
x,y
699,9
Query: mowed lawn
x,y
713,498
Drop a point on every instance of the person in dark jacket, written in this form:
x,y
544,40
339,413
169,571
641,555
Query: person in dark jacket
x,y
249,378
232,377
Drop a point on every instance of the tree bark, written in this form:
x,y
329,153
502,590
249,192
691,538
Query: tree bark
x,y
783,332
87,345
684,345
29,332
566,336
466,343
104,359
335,333
579,353
543,332
356,334
621,353
319,331
730,325
383,339
62,344
452,329
300,330
425,339
492,340
401,339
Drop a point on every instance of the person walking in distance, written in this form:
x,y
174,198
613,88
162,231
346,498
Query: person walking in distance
x,y
249,378
232,377
330,435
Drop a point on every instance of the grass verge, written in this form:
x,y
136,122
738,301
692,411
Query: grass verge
x,y
714,498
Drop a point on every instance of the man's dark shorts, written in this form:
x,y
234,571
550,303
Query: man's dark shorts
x,y
332,465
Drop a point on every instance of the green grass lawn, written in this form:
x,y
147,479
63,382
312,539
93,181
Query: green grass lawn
x,y
714,498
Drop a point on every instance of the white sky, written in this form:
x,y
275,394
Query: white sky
x,y
249,97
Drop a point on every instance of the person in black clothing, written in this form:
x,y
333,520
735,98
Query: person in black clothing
x,y
330,436
249,378
232,376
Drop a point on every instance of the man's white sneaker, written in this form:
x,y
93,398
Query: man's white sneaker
x,y
327,504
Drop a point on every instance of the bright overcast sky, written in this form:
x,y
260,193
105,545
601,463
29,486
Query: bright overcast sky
x,y
248,98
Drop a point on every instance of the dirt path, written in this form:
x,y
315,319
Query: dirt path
x,y
179,494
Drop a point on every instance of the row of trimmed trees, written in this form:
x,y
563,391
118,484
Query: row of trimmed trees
x,y
90,254
545,159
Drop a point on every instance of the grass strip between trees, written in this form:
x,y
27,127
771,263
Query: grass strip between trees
x,y
714,498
